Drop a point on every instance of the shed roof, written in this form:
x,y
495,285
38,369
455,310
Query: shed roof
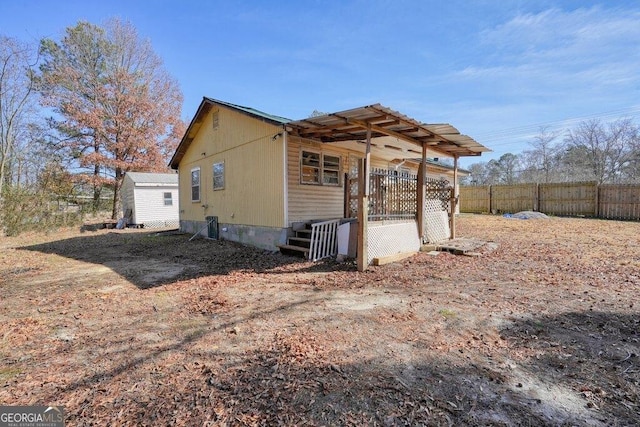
x,y
153,178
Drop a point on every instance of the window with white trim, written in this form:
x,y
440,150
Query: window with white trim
x,y
320,169
168,199
195,185
218,176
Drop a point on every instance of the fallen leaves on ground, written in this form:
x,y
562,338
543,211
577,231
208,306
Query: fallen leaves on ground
x,y
135,327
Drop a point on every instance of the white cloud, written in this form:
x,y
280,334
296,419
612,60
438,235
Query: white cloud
x,y
556,42
557,59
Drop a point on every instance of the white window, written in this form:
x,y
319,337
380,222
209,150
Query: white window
x,y
168,200
195,185
316,168
218,176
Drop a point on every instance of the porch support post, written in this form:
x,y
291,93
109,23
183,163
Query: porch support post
x,y
420,188
454,197
363,205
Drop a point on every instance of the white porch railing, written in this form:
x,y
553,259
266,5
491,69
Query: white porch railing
x,y
324,239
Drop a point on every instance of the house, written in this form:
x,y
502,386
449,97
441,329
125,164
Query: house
x,y
272,182
150,200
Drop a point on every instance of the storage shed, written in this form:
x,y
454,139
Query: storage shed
x,y
150,200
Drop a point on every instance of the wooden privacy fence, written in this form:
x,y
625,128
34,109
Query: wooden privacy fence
x,y
571,199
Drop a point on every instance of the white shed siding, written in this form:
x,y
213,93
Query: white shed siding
x,y
150,209
142,196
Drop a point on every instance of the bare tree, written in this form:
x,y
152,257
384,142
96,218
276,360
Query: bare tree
x,y
477,174
507,168
119,109
502,171
16,102
601,151
540,163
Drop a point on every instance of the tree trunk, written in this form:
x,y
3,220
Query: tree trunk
x,y
97,189
115,212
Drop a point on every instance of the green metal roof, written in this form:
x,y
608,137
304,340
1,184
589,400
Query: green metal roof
x,y
251,111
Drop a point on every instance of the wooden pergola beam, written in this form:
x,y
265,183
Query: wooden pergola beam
x,y
454,198
420,188
363,206
383,130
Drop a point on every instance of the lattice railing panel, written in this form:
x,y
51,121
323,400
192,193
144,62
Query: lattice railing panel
x,y
392,195
391,238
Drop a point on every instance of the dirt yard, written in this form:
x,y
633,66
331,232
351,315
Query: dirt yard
x,y
135,327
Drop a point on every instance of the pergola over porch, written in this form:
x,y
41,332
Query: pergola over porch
x,y
392,135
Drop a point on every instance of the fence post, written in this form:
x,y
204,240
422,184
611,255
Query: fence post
x,y
597,201
489,201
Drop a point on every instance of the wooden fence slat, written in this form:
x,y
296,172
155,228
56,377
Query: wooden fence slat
x,y
476,199
607,201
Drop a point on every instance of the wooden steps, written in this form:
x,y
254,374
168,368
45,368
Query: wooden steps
x,y
300,241
298,245
325,239
294,250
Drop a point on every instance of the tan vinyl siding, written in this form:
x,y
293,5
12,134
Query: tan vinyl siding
x,y
253,191
311,201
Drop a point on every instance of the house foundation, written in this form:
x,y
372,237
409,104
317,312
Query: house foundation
x,y
261,237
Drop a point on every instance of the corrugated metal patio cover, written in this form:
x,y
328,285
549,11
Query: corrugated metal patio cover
x,y
402,133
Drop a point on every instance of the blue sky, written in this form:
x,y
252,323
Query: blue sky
x,y
495,69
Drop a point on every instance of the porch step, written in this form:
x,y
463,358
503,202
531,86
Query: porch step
x,y
300,241
294,250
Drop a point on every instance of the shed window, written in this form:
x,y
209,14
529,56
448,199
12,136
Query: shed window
x,y
168,200
218,176
195,185
316,168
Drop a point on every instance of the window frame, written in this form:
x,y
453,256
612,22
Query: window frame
x,y
213,172
333,169
167,199
199,186
324,170
311,166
